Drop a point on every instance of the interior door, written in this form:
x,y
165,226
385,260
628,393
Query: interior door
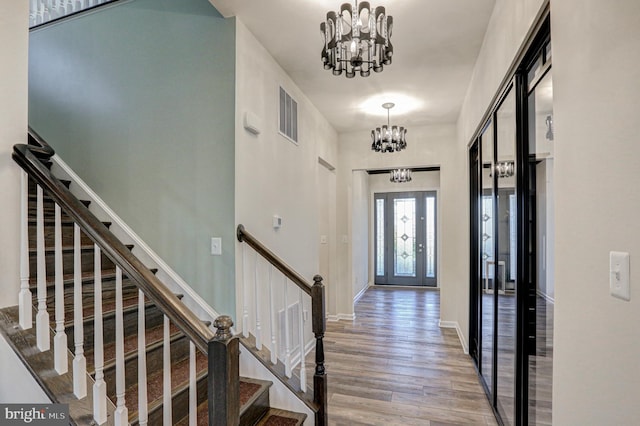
x,y
406,238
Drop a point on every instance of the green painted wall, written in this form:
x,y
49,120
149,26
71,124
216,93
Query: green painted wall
x,y
139,99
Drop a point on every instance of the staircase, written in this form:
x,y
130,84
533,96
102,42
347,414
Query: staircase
x,y
141,338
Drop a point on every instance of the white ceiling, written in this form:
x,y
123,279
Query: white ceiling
x,y
436,43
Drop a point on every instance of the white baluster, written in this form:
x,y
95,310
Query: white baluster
x,y
33,11
287,339
274,354
166,356
41,15
193,386
24,298
303,368
79,361
121,415
46,13
245,297
256,304
60,340
99,387
42,318
143,417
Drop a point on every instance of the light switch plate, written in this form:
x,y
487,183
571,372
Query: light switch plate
x,y
216,246
323,239
619,275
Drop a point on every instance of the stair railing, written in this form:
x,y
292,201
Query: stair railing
x,y
318,319
44,11
222,348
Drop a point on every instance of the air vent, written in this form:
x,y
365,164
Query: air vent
x,y
288,116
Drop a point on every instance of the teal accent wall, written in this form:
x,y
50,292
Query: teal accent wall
x,y
139,99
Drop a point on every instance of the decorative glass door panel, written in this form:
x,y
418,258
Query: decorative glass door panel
x,y
405,238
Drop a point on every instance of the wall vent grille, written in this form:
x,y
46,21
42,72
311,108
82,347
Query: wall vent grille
x,y
288,116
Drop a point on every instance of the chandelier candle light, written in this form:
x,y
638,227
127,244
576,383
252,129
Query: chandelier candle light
x,y
357,40
388,138
400,175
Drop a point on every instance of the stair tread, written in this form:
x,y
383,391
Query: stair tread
x,y
248,389
277,417
152,335
155,382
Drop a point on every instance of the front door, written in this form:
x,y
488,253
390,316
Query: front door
x,y
405,238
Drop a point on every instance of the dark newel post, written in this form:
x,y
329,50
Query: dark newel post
x,y
224,375
319,326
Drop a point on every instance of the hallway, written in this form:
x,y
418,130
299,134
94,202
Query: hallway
x,y
393,365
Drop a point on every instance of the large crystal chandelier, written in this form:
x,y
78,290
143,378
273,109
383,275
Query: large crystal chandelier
x,y
357,40
388,138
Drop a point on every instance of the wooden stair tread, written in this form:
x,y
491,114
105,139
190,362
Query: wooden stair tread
x,y
250,390
153,335
277,417
179,379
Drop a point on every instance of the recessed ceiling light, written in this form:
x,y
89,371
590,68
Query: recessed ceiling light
x,y
403,104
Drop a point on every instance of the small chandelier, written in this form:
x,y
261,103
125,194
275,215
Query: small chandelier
x,y
400,175
505,169
388,138
357,39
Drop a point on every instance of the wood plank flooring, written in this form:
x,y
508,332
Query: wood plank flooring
x,y
394,365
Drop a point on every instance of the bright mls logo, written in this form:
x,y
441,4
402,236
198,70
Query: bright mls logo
x,y
34,414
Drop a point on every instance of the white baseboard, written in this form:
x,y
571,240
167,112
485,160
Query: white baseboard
x,y
338,317
456,326
150,258
546,297
360,293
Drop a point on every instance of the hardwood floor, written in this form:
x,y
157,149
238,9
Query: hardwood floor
x,y
394,365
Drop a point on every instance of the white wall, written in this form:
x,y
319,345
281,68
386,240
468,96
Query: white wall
x,y
596,66
13,129
274,176
427,146
17,384
359,234
510,22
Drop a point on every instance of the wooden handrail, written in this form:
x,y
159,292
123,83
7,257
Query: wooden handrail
x,y
244,236
28,157
318,319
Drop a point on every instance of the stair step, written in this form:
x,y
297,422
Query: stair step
x,y
277,417
254,403
87,259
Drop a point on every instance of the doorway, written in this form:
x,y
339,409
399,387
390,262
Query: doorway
x,y
405,236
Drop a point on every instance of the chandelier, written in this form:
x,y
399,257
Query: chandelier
x,y
388,138
357,39
400,175
505,169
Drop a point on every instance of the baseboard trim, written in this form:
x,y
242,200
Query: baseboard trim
x,y
338,317
456,326
167,275
361,293
546,297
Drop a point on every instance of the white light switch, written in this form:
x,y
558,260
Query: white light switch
x,y
216,246
619,275
323,239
